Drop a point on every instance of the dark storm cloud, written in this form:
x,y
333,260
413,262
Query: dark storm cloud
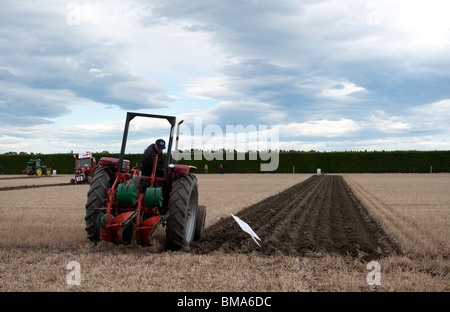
x,y
42,56
289,51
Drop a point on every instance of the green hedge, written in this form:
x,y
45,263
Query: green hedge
x,y
304,162
361,162
340,162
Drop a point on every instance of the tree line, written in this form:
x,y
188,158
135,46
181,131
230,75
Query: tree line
x,y
289,162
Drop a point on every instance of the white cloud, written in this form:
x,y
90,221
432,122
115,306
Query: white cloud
x,y
300,146
238,112
386,123
435,110
320,128
342,89
208,88
98,73
13,143
422,24
429,118
434,142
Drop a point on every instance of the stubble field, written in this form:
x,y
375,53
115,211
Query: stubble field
x,y
318,233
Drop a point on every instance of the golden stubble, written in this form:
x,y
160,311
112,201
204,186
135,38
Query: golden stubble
x,y
413,208
42,230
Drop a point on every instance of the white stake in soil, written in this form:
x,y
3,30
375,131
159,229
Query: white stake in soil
x,y
247,229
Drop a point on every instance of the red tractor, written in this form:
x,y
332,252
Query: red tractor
x,y
123,207
84,168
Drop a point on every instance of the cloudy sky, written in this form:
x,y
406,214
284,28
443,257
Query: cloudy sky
x,y
330,75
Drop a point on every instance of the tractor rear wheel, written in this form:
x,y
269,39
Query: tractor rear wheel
x,y
200,225
103,178
183,210
39,171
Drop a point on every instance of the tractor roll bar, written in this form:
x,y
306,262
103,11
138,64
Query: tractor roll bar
x,y
130,116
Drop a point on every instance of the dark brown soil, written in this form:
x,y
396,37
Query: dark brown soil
x,y
29,178
320,214
21,187
24,177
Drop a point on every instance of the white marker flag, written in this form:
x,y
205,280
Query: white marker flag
x,y
247,229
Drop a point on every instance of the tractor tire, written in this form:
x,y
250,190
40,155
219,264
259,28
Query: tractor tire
x,y
103,179
48,172
39,171
183,210
200,225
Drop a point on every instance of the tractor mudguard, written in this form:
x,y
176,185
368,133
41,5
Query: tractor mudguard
x,y
114,163
182,169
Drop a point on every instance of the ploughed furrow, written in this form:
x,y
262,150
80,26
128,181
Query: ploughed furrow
x,y
23,177
21,187
317,215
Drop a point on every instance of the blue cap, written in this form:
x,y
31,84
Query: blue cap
x,y
160,143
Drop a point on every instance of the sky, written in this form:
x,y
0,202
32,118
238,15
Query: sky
x,y
326,75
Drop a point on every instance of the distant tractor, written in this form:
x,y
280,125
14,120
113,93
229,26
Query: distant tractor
x,y
35,167
84,168
124,206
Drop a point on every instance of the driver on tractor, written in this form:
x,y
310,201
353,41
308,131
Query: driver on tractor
x,y
147,159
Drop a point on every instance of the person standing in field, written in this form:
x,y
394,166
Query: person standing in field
x,y
206,168
220,169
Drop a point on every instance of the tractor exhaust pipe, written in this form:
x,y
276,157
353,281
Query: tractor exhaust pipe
x,y
175,152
